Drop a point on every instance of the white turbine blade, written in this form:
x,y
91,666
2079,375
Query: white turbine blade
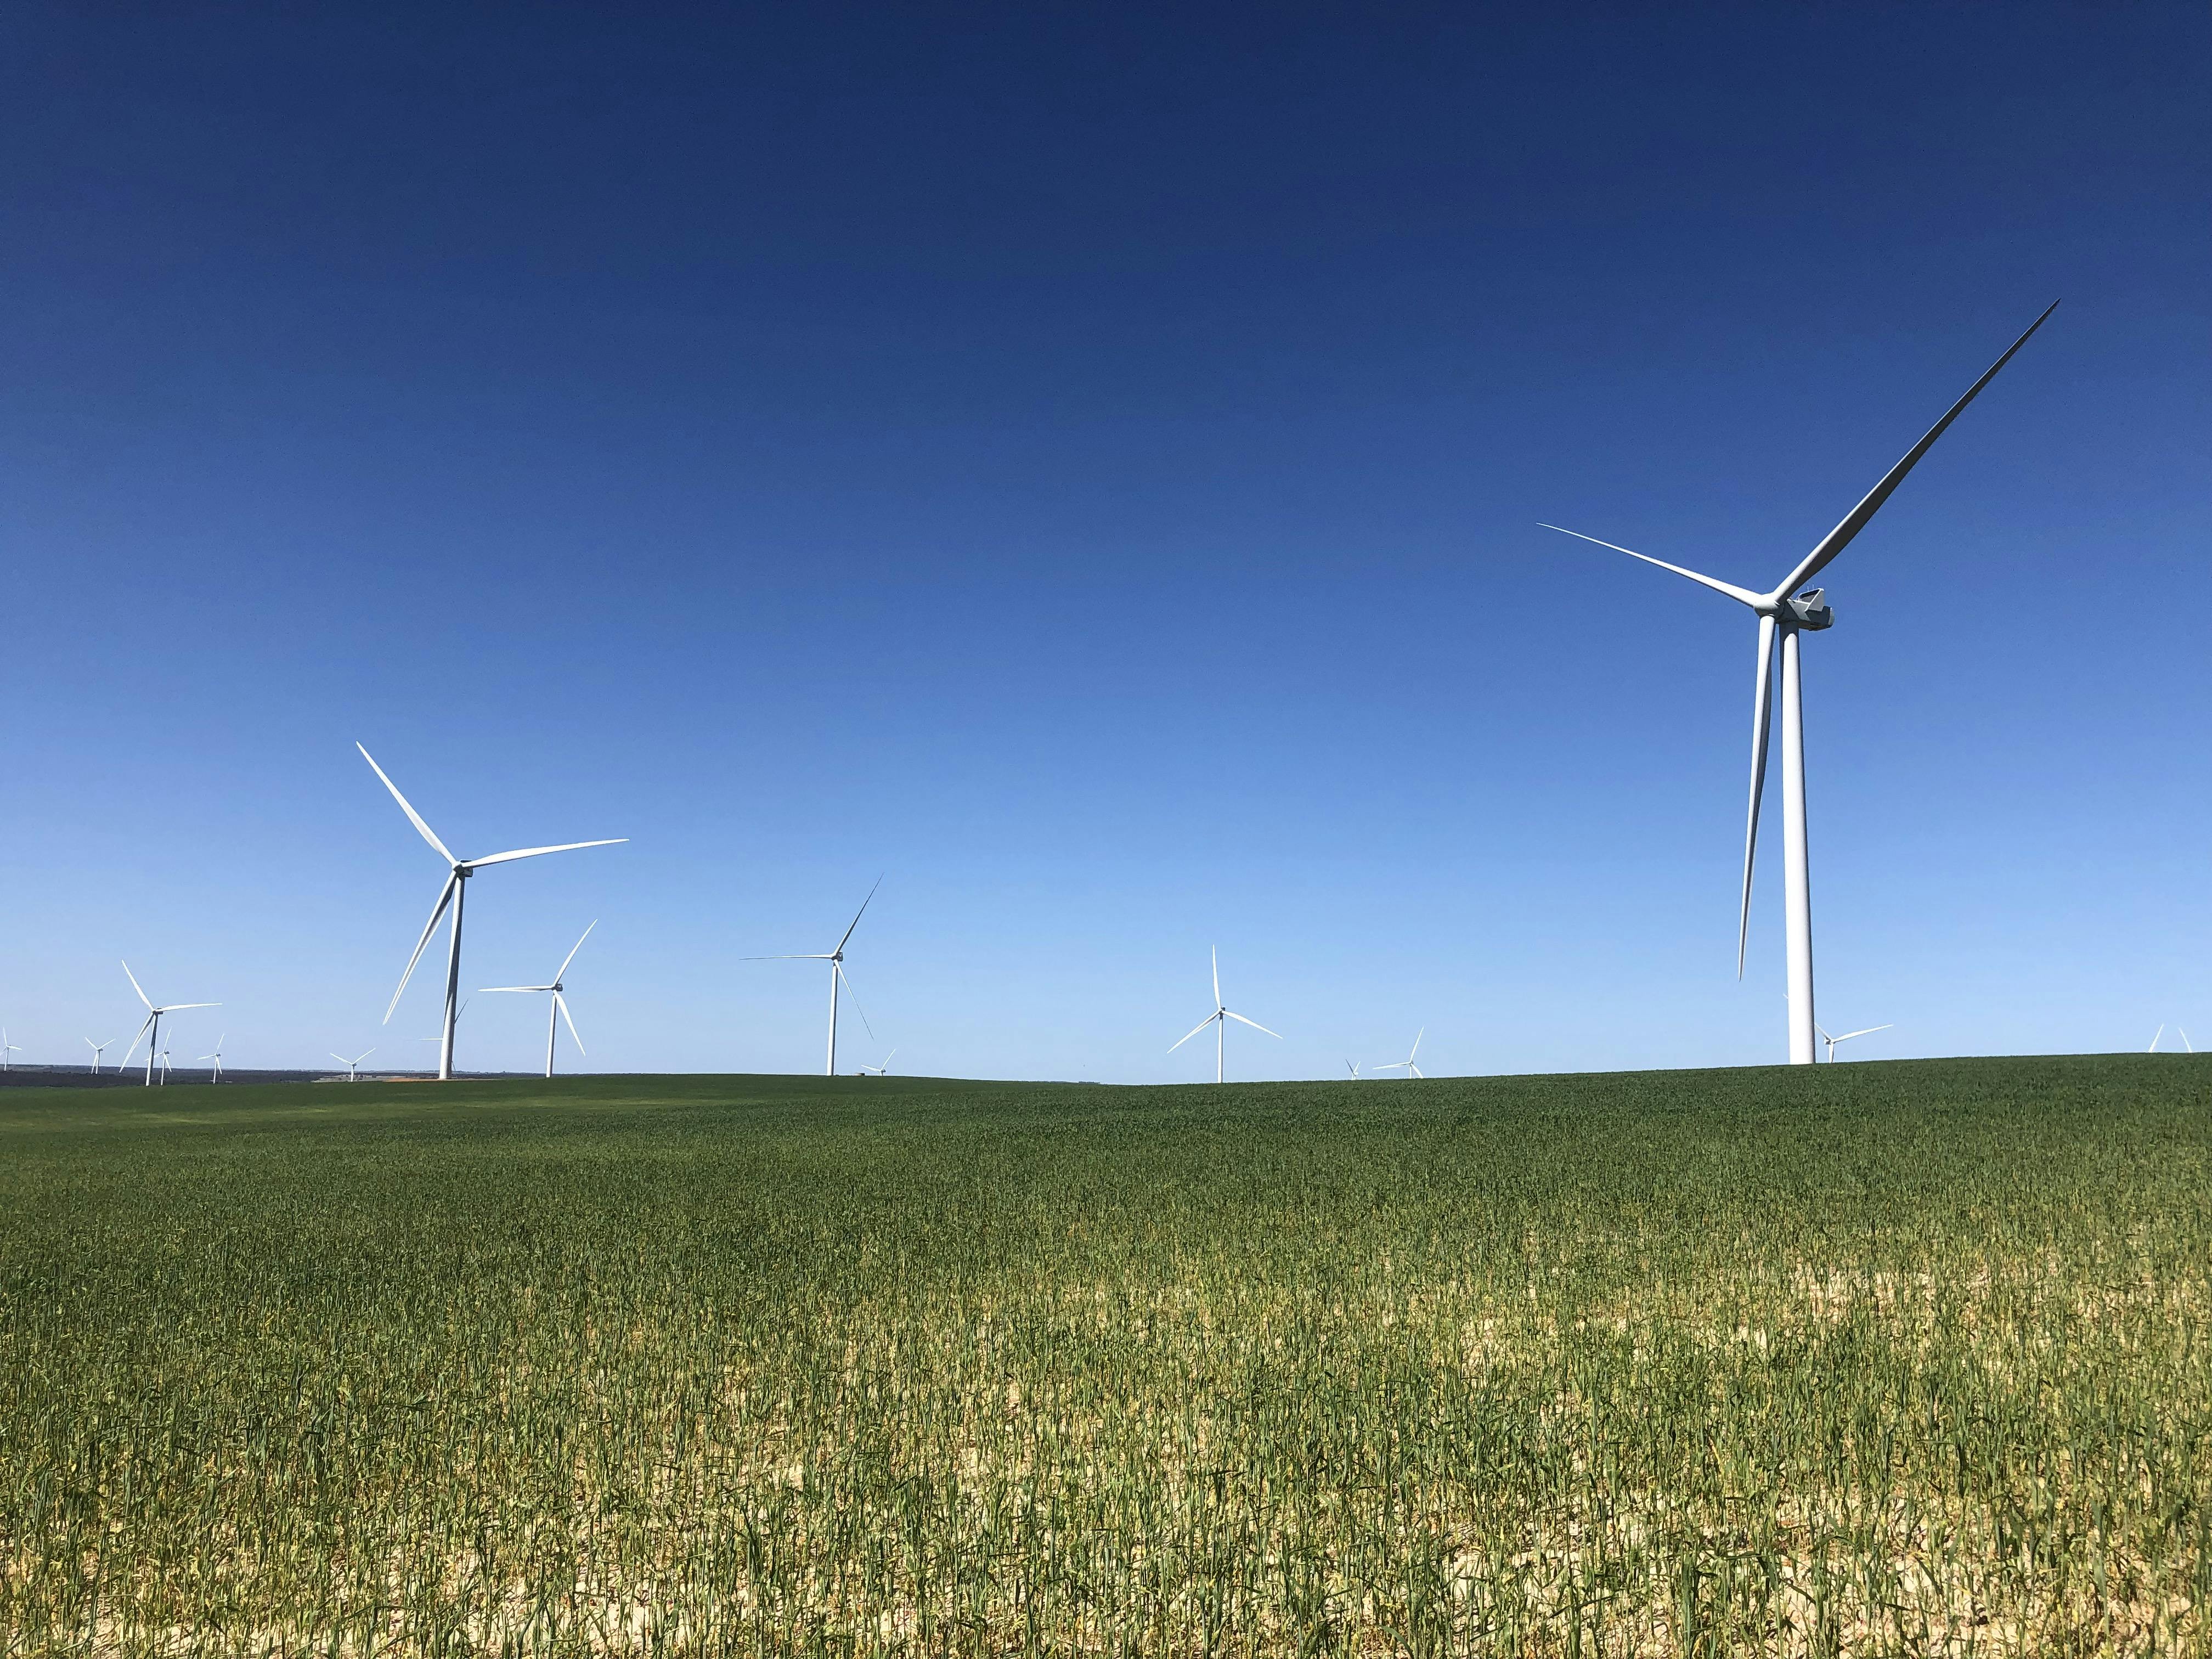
x,y
172,1007
2153,1049
839,970
1255,1025
360,1057
445,897
1868,1031
135,986
571,957
413,817
1856,520
2185,1042
1417,1035
1172,1047
1415,1070
1394,1065
493,990
133,1048
535,852
1217,976
340,1058
795,955
1740,595
1823,1030
562,1003
858,913
1762,719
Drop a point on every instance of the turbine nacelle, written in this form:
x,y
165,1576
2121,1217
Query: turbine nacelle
x,y
1807,610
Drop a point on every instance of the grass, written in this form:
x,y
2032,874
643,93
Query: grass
x,y
1902,1358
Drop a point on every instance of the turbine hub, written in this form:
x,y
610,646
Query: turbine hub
x,y
1808,611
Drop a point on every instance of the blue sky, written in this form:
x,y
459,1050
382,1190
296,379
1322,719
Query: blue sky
x,y
1084,464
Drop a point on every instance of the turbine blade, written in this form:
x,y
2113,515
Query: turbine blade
x,y
135,986
1255,1025
839,970
1823,1030
535,852
571,957
1217,976
1868,1031
445,897
858,913
796,956
413,817
1417,1035
2185,1042
1856,520
493,990
1762,718
1172,1047
172,1007
2153,1049
133,1048
1740,595
562,1003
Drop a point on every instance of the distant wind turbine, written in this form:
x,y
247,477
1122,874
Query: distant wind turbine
x,y
165,1065
1788,610
883,1070
6,1049
454,892
1354,1070
217,1058
559,1006
836,960
1832,1040
153,1026
1219,1019
99,1048
350,1065
1407,1064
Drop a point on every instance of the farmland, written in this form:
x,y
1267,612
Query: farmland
x,y
1900,1358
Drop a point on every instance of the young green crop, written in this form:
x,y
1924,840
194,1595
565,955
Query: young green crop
x,y
1871,1358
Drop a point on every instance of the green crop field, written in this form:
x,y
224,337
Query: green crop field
x,y
1899,1359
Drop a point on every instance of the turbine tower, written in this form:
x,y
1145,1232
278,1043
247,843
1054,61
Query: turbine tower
x,y
454,892
559,1006
836,960
1788,610
1832,1040
1218,1019
153,1024
1407,1064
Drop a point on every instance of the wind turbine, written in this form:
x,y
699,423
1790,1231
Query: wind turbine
x,y
153,1024
6,1049
1790,609
164,1065
880,1071
1219,1019
350,1065
1832,1040
559,1006
217,1058
454,893
98,1049
836,960
1354,1070
1407,1064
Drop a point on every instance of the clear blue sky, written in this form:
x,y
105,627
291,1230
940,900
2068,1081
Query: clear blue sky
x,y
1083,463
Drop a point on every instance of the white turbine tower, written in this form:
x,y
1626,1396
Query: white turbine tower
x,y
1832,1040
454,892
99,1048
1219,1019
883,1070
1407,1064
153,1023
353,1064
836,960
559,1006
217,1058
1788,610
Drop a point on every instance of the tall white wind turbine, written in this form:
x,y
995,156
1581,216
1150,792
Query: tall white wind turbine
x,y
1218,1019
1407,1064
1788,610
7,1048
99,1048
352,1065
836,960
454,892
559,1006
1864,1032
153,1024
217,1058
883,1070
